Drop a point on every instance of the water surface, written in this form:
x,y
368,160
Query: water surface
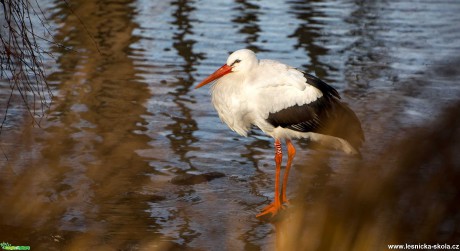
x,y
126,120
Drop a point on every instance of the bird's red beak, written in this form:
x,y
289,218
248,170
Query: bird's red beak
x,y
225,69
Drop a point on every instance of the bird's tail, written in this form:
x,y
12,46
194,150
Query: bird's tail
x,y
343,123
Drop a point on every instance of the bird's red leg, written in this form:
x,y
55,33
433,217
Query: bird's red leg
x,y
275,205
291,154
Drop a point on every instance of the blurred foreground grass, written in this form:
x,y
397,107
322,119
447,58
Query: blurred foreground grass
x,y
410,194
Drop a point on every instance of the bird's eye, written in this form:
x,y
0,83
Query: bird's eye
x,y
235,62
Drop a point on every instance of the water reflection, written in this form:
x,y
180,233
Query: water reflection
x,y
248,19
88,144
369,46
183,126
309,34
184,45
103,130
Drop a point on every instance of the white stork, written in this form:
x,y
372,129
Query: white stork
x,y
284,103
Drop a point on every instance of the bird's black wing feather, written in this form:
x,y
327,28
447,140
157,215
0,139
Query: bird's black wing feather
x,y
326,115
326,89
303,118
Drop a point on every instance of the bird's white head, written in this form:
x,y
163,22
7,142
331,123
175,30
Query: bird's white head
x,y
240,61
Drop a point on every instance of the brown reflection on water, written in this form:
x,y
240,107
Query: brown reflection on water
x,y
86,189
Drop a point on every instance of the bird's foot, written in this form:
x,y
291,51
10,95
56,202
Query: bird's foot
x,y
271,209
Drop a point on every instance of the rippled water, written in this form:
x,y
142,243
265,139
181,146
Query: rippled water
x,y
126,120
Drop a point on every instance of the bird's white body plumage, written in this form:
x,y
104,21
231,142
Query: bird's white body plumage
x,y
246,97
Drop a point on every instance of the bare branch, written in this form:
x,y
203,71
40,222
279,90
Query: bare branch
x,y
21,57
